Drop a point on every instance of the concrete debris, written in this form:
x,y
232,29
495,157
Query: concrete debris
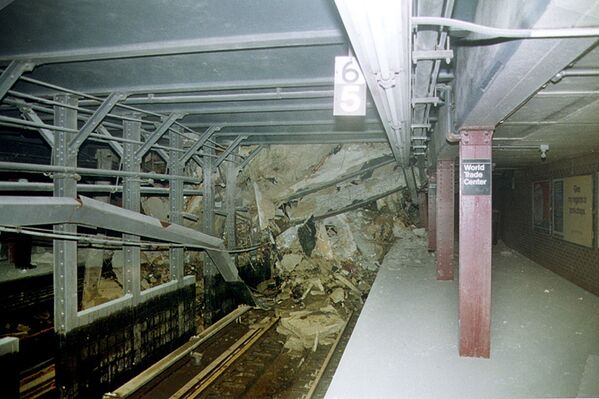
x,y
340,237
288,240
347,283
307,236
155,206
349,194
338,295
304,328
345,162
265,208
289,262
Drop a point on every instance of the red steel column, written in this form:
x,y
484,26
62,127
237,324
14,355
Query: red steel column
x,y
445,219
423,209
432,213
475,242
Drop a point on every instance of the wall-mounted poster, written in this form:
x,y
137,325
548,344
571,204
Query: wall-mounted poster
x,y
558,207
578,210
541,206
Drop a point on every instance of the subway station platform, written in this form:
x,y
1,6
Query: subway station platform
x,y
544,338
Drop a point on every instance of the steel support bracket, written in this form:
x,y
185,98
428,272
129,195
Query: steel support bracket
x,y
420,55
233,146
12,73
157,134
94,121
199,143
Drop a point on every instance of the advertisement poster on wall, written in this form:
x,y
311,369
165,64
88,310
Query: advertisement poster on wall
x,y
558,207
578,210
541,206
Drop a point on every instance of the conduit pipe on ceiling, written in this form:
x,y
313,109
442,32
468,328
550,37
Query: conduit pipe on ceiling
x,y
450,135
491,32
575,72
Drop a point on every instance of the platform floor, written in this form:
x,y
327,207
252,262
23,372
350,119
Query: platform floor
x,y
545,334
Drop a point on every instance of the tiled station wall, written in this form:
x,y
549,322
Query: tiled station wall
x,y
576,263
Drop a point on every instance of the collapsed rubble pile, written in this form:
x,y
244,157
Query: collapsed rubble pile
x,y
325,215
330,222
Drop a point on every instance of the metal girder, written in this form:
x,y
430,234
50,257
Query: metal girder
x,y
230,202
252,123
330,138
94,121
202,98
201,109
251,156
175,167
198,160
380,36
160,151
185,46
198,144
209,271
4,3
320,132
475,247
132,202
31,115
25,211
86,188
157,134
509,73
226,85
233,146
64,252
12,73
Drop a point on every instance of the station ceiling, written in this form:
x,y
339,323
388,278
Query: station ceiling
x,y
265,69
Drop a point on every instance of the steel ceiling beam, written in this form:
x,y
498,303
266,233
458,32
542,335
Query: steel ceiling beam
x,y
505,84
188,109
380,36
293,133
186,46
203,98
222,86
330,138
25,211
249,123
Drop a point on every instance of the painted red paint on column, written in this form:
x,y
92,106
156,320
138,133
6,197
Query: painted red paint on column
x,y
423,209
475,242
432,213
445,219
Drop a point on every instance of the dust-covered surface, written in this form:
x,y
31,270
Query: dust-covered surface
x,y
544,340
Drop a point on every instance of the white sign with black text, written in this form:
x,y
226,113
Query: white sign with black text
x,y
350,88
475,176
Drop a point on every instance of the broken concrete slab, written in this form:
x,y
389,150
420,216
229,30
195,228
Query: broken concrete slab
x,y
335,200
307,236
156,207
307,327
289,262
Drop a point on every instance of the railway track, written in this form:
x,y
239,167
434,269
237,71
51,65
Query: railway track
x,y
241,356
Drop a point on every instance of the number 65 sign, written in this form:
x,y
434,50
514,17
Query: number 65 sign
x,y
350,88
